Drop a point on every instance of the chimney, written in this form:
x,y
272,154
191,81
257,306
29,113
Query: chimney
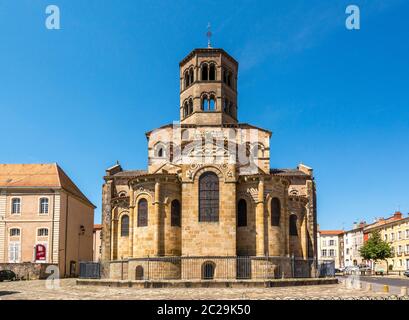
x,y
397,215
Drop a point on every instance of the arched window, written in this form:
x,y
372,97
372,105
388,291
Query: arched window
x,y
185,109
186,79
190,106
212,72
205,102
205,72
160,152
293,225
226,105
208,268
229,79
16,205
125,226
275,212
139,273
175,217
14,232
224,76
212,103
142,213
191,76
43,205
230,109
209,197
242,213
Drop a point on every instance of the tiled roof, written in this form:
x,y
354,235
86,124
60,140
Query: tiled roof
x,y
130,173
38,175
288,172
331,232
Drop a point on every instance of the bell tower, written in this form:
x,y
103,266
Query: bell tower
x,y
208,87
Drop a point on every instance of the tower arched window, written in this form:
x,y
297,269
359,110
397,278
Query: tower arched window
x,y
142,213
125,226
191,76
209,197
231,109
212,103
190,111
212,72
226,105
242,213
205,102
175,215
229,81
205,72
160,152
185,109
186,79
275,212
293,225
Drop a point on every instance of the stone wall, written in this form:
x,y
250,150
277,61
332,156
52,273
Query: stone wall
x,y
27,271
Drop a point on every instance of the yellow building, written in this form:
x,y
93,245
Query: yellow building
x,y
394,230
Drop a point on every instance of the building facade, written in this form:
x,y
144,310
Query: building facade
x,y
209,190
97,245
330,246
394,230
353,241
44,218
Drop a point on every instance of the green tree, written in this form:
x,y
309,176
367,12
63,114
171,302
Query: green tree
x,y
376,249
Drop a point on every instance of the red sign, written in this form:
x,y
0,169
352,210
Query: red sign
x,y
40,252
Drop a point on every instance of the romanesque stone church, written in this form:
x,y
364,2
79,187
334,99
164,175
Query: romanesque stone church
x,y
209,205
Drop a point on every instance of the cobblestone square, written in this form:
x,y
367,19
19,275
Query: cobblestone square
x,y
68,290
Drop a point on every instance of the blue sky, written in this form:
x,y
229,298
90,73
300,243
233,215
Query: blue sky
x,y
336,100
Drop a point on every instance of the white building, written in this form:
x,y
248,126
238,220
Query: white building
x,y
329,246
353,241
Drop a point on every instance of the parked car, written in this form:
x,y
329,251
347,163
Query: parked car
x,y
406,273
364,268
7,275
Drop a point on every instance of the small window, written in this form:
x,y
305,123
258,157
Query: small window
x,y
185,109
242,213
205,103
15,232
175,214
191,76
186,79
160,152
212,72
15,205
142,213
275,212
205,72
190,111
139,273
42,232
293,225
208,270
125,226
44,205
212,103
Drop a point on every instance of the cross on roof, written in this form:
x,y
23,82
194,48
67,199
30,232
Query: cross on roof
x,y
209,35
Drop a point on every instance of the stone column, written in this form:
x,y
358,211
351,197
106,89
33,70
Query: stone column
x,y
106,221
157,204
260,248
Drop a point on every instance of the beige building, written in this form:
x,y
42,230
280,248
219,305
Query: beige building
x,y
209,191
44,218
97,245
329,246
394,230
